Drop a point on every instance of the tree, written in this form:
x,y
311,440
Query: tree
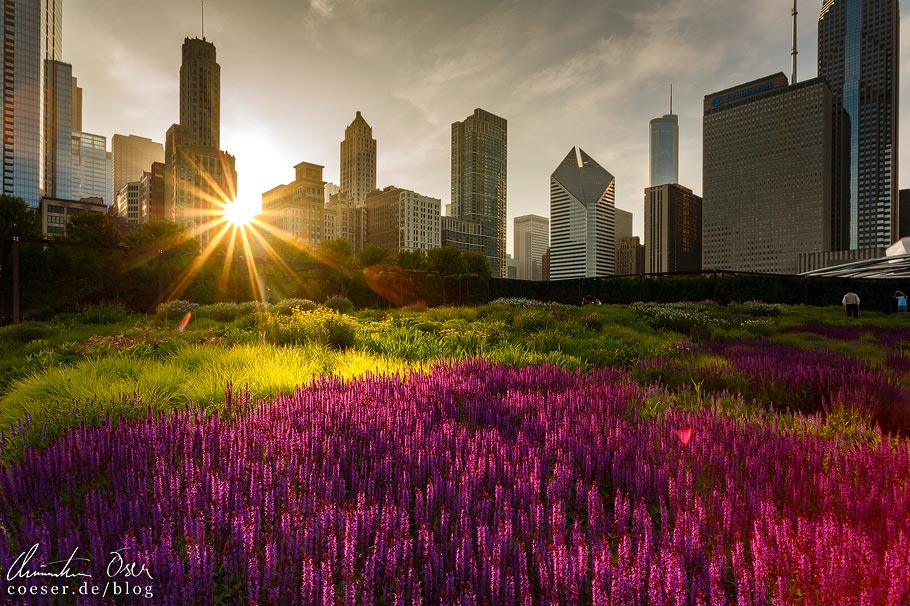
x,y
414,260
162,235
476,264
337,253
93,229
371,255
446,261
17,218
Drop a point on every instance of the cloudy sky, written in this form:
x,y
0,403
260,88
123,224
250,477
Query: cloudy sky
x,y
562,72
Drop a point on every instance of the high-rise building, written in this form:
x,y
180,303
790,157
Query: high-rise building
x,y
92,167
532,238
673,217
630,256
479,162
358,161
77,106
582,219
767,175
463,235
344,220
55,214
402,220
132,203
133,155
623,224
298,208
664,148
903,214
512,268
32,37
199,178
58,130
858,55
330,190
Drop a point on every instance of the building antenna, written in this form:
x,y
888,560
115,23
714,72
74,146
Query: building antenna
x,y
203,18
671,98
793,51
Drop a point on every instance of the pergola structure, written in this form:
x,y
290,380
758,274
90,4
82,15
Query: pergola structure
x,y
894,265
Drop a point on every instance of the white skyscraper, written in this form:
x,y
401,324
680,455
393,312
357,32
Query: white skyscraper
x,y
582,219
665,148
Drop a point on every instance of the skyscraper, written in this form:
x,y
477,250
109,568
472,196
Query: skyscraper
x,y
582,219
402,220
199,177
532,238
58,130
133,156
672,229
664,148
298,208
92,168
479,162
858,52
32,35
767,175
358,161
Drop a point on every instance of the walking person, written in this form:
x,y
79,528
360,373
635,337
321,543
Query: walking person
x,y
851,303
901,301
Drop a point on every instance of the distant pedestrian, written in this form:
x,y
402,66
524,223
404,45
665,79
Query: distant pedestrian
x,y
851,302
901,301
590,300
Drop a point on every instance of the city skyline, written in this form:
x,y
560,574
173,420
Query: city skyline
x,y
553,93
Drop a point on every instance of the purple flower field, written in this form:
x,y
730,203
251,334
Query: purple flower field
x,y
478,483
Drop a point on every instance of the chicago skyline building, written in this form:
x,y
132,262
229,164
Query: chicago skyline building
x,y
133,155
91,168
664,148
767,175
199,178
358,161
532,238
298,208
32,37
630,256
582,219
673,221
479,181
858,55
402,220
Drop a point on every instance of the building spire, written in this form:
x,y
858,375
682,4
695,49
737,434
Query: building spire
x,y
793,51
202,2
671,98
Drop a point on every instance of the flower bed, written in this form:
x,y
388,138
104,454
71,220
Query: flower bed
x,y
473,484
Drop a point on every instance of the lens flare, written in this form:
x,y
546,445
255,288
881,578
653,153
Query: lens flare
x,y
185,321
684,435
239,213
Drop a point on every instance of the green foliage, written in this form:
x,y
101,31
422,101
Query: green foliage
x,y
17,218
286,307
446,261
371,255
415,260
321,326
340,304
175,310
94,229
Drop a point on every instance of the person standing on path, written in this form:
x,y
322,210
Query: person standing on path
x,y
851,302
901,301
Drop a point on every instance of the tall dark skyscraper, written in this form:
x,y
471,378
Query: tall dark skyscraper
x,y
358,161
858,50
199,178
479,157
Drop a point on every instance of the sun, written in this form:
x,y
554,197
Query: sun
x,y
239,213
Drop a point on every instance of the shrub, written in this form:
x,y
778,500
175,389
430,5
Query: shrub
x,y
175,310
25,333
285,307
321,326
340,304
104,313
223,312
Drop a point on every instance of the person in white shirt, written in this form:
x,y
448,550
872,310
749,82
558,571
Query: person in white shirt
x,y
851,302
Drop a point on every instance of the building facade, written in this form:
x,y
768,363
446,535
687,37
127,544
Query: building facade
x,y
32,36
402,220
58,132
903,214
858,55
132,203
199,178
767,175
133,155
673,220
298,208
630,256
463,235
479,177
532,238
153,185
664,149
56,213
91,166
344,220
582,219
358,161
821,260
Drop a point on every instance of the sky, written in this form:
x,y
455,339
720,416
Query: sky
x,y
590,73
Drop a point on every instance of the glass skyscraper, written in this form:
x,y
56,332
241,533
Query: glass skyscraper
x,y
858,46
479,157
665,150
32,36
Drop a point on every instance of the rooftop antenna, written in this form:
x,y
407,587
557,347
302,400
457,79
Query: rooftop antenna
x,y
671,98
793,51
203,18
